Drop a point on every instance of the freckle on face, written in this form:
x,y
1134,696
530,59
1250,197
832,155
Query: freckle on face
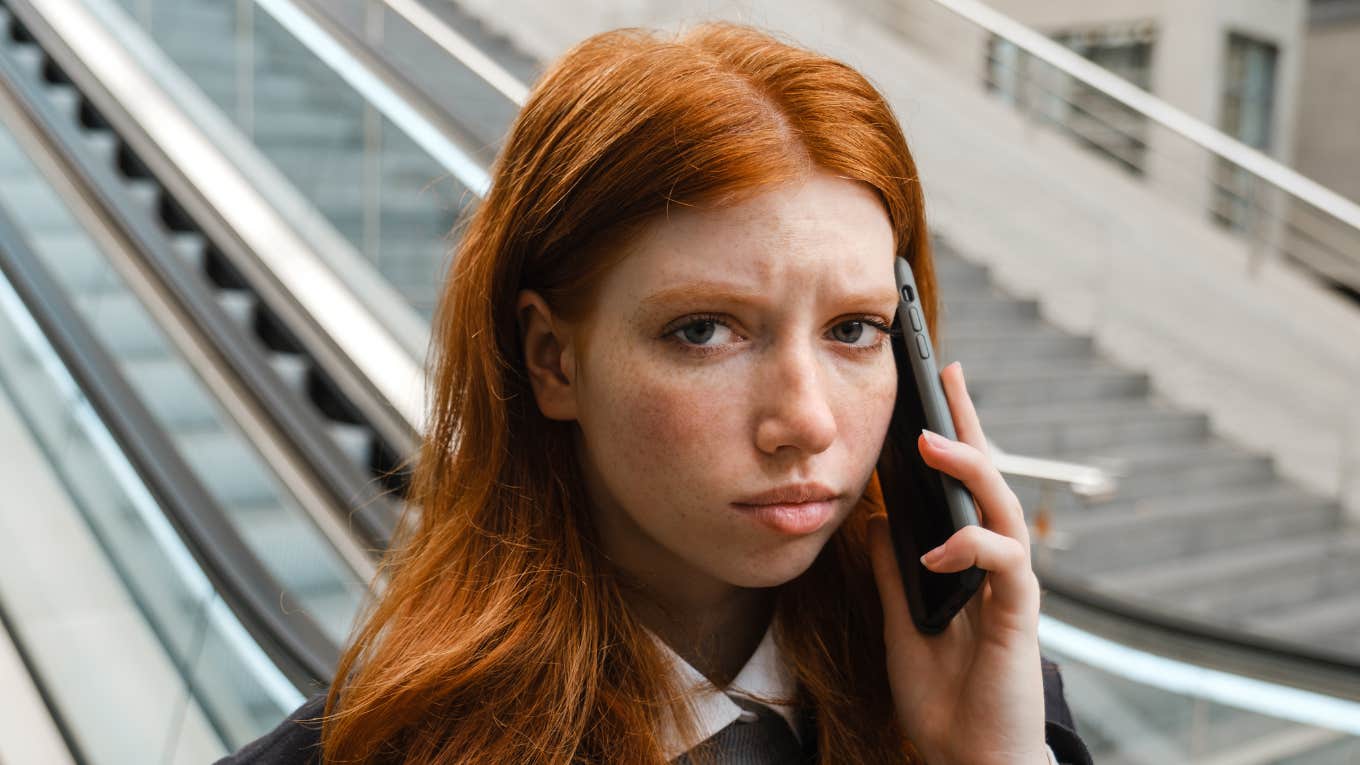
x,y
669,440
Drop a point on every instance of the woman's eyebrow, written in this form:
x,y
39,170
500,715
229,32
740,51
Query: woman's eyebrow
x,y
730,293
704,290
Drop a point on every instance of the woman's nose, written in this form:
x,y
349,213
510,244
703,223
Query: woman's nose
x,y
795,407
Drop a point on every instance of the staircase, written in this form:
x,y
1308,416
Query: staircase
x,y
1200,526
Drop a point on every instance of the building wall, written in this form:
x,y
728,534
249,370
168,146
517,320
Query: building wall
x,y
1187,61
1327,139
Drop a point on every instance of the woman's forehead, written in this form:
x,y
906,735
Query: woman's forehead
x,y
825,228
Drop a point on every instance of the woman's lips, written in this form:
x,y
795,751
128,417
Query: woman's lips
x,y
791,518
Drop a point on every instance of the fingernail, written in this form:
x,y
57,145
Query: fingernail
x,y
933,557
935,439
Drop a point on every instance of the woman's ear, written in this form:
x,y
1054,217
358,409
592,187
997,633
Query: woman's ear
x,y
548,356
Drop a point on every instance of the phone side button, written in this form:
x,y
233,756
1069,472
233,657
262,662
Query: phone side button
x,y
915,319
922,346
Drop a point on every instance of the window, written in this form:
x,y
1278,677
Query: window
x,y
1245,113
1084,113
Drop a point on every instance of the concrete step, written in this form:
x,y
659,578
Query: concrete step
x,y
1193,524
965,343
1067,428
1029,385
956,273
1151,470
991,307
1240,582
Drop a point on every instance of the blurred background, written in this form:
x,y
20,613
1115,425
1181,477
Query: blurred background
x,y
223,224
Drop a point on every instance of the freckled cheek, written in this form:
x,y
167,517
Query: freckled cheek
x,y
673,424
865,414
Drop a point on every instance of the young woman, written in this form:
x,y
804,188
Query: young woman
x,y
649,528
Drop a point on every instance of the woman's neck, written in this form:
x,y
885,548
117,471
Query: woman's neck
x,y
714,628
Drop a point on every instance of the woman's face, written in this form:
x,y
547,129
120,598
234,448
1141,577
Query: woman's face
x,y
731,352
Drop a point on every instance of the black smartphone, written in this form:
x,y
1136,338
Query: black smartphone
x,y
925,506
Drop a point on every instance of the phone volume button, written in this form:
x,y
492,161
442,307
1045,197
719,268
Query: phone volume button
x,y
922,346
915,318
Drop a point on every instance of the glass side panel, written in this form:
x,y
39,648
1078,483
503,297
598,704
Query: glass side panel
x,y
106,599
1133,707
264,513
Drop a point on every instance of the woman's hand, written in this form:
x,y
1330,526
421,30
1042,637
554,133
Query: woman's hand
x,y
973,693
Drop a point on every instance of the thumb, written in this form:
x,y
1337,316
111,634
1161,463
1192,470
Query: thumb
x,y
888,577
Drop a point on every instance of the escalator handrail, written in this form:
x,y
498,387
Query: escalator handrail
x,y
1288,662
1180,679
373,516
458,46
291,638
390,92
374,365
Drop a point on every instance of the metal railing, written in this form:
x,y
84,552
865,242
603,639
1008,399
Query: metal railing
x,y
1260,262
1287,213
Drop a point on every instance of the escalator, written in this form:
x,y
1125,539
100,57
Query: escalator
x,y
271,515
355,170
142,612
219,575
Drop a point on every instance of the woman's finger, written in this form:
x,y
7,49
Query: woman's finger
x,y
1005,559
1000,508
966,423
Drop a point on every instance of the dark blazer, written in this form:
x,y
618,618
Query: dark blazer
x,y
295,742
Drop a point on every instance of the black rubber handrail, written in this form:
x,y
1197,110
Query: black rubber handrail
x,y
290,637
365,501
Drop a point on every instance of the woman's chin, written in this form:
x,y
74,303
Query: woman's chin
x,y
773,568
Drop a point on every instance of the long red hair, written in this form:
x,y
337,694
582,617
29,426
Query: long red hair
x,y
502,636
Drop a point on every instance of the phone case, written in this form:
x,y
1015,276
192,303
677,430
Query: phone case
x,y
925,506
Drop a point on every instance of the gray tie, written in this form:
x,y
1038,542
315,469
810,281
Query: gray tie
x,y
768,740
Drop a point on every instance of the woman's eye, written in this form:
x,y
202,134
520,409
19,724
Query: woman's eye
x,y
700,331
857,332
712,332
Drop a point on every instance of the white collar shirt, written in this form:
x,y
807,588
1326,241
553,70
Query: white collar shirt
x,y
764,676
